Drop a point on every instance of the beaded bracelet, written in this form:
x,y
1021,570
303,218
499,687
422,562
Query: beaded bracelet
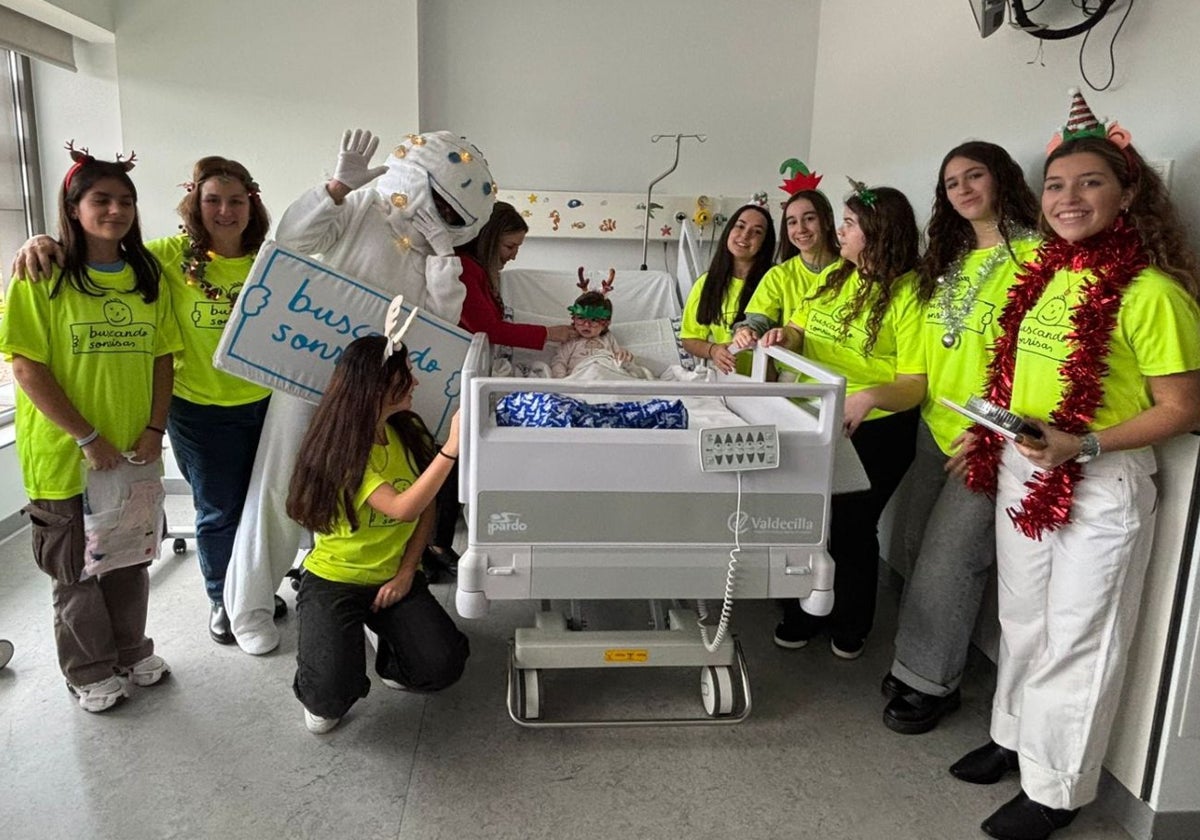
x,y
86,439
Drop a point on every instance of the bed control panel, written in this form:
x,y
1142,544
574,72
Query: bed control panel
x,y
734,448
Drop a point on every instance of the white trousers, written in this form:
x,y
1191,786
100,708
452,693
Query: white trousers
x,y
267,541
1068,609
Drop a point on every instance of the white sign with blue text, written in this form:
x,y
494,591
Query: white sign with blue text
x,y
294,316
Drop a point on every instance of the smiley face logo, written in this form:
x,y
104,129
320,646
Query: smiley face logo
x,y
117,313
1051,313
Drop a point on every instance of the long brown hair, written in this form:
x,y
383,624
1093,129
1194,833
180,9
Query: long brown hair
x,y
720,270
950,235
1150,213
146,270
824,211
215,166
485,248
891,249
334,454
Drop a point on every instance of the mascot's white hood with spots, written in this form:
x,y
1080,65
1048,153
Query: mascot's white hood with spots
x,y
371,234
442,163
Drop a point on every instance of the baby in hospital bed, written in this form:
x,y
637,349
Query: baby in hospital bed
x,y
591,313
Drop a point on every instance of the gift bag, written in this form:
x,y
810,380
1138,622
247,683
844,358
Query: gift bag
x,y
123,519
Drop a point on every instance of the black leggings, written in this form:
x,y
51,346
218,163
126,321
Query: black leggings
x,y
886,447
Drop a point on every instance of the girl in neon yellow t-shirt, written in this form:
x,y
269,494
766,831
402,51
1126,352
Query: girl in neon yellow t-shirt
x,y
1100,348
101,328
215,419
365,483
864,323
808,249
718,299
980,234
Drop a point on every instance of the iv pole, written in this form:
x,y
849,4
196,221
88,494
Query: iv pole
x,y
650,189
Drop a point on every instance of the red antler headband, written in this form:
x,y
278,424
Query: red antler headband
x,y
81,156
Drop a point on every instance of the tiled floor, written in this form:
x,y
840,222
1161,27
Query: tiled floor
x,y
220,749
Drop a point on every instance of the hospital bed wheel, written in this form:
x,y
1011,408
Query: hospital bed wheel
x,y
716,690
179,546
529,693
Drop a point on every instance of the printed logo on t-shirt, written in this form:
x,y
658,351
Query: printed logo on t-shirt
x,y
982,315
380,520
211,314
117,333
1044,330
829,325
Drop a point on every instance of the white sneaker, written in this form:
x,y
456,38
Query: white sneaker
x,y
100,696
318,725
148,671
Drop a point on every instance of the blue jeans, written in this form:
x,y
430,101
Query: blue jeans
x,y
214,448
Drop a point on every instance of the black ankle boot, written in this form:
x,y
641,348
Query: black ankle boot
x,y
986,765
1023,819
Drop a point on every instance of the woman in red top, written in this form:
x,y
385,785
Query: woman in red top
x,y
482,258
483,311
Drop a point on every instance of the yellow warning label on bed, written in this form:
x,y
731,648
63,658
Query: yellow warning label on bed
x,y
626,655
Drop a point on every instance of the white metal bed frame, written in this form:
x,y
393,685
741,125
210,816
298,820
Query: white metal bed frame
x,y
648,524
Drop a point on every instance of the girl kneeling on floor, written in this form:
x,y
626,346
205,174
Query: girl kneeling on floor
x,y
365,481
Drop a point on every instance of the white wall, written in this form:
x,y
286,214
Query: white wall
x,y
566,96
271,83
83,106
267,83
896,89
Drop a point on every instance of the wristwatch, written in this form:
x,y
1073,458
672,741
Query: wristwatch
x,y
1089,448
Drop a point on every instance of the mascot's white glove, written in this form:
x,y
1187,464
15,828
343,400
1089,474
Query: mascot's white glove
x,y
434,231
354,161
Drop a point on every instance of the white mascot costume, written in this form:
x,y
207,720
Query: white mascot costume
x,y
434,193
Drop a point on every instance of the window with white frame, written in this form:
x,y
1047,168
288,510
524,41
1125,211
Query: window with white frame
x,y
20,191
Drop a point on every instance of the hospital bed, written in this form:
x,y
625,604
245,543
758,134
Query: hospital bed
x,y
558,514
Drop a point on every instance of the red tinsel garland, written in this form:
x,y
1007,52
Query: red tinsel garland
x,y
1114,258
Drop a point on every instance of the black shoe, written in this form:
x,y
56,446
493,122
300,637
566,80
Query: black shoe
x,y
1023,819
797,626
986,765
847,647
892,686
438,560
280,608
915,711
218,626
791,635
